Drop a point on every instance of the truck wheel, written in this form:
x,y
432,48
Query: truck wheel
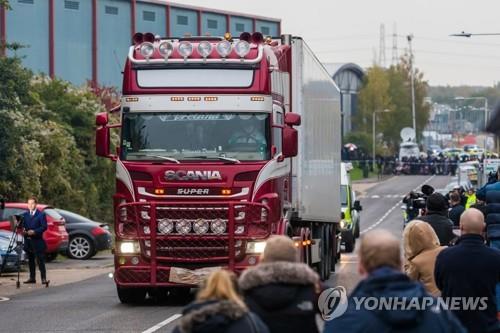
x,y
131,295
324,266
335,246
349,242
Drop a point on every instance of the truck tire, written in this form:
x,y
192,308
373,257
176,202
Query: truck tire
x,y
349,242
131,295
335,245
324,266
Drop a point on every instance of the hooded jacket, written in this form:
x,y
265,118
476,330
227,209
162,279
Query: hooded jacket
x,y
283,295
421,247
441,224
388,283
219,316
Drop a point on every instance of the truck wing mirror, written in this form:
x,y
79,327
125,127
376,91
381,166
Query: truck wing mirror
x,y
290,142
102,136
357,206
292,119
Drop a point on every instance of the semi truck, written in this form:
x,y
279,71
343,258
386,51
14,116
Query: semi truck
x,y
223,142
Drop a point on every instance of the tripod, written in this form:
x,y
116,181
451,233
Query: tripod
x,y
15,242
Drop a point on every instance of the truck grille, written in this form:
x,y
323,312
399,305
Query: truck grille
x,y
193,233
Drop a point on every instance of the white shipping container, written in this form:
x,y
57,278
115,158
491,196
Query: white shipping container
x,y
316,169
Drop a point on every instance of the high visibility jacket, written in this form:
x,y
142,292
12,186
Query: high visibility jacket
x,y
471,200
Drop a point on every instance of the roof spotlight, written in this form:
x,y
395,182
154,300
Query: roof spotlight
x,y
185,49
242,48
204,49
147,49
223,48
165,49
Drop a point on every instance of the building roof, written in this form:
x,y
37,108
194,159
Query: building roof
x,y
336,68
211,10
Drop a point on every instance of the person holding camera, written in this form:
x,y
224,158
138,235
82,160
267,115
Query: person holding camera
x,y
437,217
35,224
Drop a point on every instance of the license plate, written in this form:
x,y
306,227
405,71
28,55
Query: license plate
x,y
190,276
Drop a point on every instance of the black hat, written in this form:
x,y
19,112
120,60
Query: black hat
x,y
437,202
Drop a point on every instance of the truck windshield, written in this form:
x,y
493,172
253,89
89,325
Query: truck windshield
x,y
190,136
343,195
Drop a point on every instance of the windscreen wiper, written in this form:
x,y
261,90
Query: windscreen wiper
x,y
227,159
170,159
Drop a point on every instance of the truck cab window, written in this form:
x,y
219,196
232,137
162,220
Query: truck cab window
x,y
187,136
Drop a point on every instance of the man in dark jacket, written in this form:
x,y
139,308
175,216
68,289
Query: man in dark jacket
x,y
35,224
380,265
437,217
471,269
456,208
281,291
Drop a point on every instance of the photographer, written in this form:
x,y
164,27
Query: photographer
x,y
492,185
34,225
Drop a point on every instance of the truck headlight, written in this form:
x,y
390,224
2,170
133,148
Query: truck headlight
x,y
256,247
129,247
201,226
218,226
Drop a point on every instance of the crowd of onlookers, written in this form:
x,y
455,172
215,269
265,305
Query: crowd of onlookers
x,y
450,253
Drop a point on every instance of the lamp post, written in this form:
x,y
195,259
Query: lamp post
x,y
373,132
485,111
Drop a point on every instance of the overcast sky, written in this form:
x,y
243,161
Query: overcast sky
x,y
349,31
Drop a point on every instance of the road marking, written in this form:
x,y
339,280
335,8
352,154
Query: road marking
x,y
163,323
394,207
4,299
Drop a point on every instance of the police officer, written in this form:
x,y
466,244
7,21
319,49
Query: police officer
x,y
35,224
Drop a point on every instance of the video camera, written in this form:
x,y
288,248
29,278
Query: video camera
x,y
418,200
16,223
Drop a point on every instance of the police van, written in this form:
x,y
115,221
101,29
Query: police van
x,y
351,208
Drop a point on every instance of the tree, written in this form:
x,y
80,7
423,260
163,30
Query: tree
x,y
391,89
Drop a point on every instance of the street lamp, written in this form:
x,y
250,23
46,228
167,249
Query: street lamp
x,y
468,34
373,130
460,98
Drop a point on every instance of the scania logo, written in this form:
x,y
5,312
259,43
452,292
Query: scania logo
x,y
192,175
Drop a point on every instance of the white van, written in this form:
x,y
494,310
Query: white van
x,y
349,225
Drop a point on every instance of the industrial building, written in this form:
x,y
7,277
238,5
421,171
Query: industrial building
x,y
349,79
81,40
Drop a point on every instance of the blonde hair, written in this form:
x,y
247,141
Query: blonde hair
x,y
280,248
379,248
221,285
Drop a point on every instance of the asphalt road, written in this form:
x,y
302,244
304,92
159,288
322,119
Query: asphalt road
x,y
92,305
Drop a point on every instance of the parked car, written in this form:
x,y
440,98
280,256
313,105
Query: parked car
x,y
86,237
12,259
55,236
434,150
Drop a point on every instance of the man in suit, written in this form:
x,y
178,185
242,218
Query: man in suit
x,y
35,224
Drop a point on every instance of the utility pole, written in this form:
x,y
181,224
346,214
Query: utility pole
x,y
395,59
412,78
381,48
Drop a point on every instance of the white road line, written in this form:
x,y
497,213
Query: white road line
x,y
394,207
163,323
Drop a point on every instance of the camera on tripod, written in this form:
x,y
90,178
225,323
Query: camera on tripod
x,y
417,200
16,223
